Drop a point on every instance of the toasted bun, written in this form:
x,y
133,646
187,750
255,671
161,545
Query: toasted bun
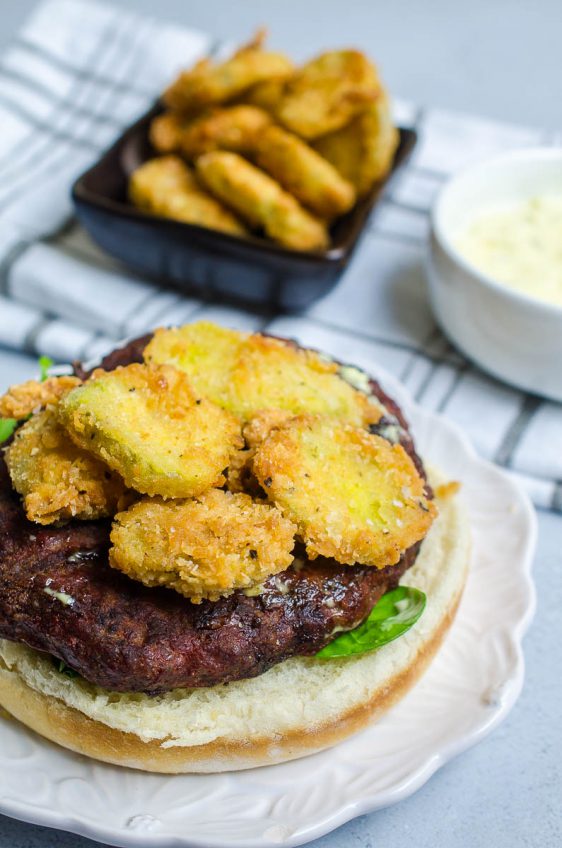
x,y
296,708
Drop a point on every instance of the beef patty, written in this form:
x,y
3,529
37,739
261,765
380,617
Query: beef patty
x,y
58,594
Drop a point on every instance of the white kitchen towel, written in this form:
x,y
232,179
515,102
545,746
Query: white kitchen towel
x,y
75,76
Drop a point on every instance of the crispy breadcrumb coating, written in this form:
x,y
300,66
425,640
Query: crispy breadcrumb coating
x,y
304,173
354,496
270,374
206,352
261,201
260,426
249,373
24,399
207,84
267,95
236,128
363,151
166,132
57,479
202,548
167,187
240,477
147,423
327,92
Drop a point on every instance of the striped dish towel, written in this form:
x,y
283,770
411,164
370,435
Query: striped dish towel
x,y
76,75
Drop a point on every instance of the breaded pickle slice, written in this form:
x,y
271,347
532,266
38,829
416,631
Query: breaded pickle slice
x,y
327,92
23,399
248,373
354,496
206,352
208,84
166,186
271,374
304,172
202,548
363,151
57,479
261,201
240,477
148,423
166,131
266,95
236,128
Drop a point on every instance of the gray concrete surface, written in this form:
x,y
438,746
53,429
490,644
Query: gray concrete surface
x,y
492,57
499,58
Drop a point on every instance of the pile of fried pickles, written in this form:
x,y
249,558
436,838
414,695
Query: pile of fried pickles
x,y
254,145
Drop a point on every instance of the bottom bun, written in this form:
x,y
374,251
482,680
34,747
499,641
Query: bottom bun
x,y
296,708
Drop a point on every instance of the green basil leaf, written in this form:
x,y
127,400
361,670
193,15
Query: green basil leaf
x,y
63,668
7,427
45,362
393,615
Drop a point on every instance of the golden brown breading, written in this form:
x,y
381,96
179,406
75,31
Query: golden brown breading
x,y
202,548
363,151
25,398
266,95
240,476
262,423
205,351
236,128
166,131
247,373
354,496
207,84
270,374
327,92
167,187
261,201
57,479
304,173
147,423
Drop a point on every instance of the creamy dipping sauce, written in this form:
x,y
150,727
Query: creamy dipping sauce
x,y
519,245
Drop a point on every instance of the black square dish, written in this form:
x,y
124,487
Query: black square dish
x,y
202,261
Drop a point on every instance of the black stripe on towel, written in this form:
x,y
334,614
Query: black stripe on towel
x,y
516,429
8,263
56,99
81,74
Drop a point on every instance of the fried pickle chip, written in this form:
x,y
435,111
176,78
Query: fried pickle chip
x,y
270,374
304,173
206,352
236,128
247,373
363,151
240,476
354,496
166,186
147,423
166,132
57,479
25,398
267,95
208,84
202,548
327,92
261,201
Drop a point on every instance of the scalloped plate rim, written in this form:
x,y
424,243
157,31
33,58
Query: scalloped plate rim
x,y
511,690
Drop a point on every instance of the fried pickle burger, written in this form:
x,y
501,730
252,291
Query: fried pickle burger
x,y
218,550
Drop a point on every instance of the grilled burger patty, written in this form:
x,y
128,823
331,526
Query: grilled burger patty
x,y
58,594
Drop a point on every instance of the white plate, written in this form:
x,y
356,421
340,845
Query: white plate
x,y
467,691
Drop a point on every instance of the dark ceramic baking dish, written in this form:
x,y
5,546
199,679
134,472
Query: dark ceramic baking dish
x,y
202,261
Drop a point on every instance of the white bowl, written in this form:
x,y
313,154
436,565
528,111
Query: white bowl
x,y
511,335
